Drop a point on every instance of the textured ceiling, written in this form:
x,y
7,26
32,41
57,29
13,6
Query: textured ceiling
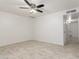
x,y
51,6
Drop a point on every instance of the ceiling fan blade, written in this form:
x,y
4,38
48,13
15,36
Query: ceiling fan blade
x,y
39,11
41,5
27,2
24,7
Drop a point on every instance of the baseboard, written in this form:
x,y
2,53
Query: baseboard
x,y
61,44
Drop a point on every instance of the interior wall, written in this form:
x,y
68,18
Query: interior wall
x,y
49,28
14,28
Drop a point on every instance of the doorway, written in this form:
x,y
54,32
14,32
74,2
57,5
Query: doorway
x,y
71,33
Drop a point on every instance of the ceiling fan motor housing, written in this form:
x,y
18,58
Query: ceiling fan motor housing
x,y
33,6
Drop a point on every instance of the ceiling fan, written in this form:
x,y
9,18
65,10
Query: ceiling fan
x,y
34,7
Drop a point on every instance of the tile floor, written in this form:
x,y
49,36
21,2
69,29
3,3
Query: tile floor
x,y
39,50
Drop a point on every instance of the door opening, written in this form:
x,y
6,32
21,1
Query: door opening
x,y
71,22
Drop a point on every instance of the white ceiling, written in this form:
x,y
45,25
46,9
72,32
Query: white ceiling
x,y
51,6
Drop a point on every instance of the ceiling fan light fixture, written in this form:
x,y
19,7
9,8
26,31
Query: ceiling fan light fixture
x,y
33,11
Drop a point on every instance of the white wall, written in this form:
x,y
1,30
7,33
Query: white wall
x,y
49,28
14,28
